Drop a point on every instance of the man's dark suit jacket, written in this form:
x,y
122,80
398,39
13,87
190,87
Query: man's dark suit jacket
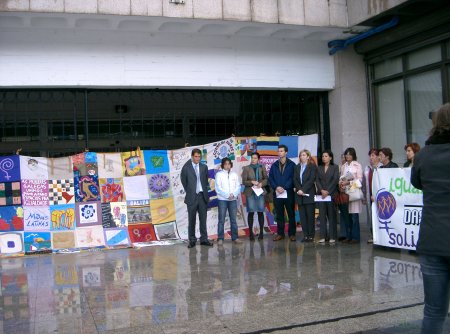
x,y
189,181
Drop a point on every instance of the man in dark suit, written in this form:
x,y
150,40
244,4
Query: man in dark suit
x,y
194,177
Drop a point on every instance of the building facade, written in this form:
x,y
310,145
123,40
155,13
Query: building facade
x,y
110,75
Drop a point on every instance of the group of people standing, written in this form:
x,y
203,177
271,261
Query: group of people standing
x,y
305,184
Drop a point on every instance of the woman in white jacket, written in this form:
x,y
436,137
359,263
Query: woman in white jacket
x,y
227,188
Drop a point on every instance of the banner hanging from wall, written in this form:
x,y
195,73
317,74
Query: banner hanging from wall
x,y
113,200
396,210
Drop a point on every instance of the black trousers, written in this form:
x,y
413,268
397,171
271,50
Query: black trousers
x,y
328,210
307,219
280,205
201,207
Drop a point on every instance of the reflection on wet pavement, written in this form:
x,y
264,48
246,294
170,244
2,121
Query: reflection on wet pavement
x,y
230,289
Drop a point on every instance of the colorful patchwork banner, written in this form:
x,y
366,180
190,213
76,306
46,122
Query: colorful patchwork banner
x,y
92,200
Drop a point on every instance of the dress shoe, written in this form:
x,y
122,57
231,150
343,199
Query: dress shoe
x,y
341,238
206,243
332,241
278,238
191,244
261,236
321,241
292,238
370,241
252,237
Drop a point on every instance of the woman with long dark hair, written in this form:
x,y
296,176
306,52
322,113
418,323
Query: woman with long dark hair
x,y
327,182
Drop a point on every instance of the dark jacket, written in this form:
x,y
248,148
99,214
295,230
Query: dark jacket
x,y
189,181
431,173
390,165
307,186
285,180
327,181
248,175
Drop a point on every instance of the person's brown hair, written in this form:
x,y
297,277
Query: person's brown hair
x,y
387,152
441,120
414,147
375,151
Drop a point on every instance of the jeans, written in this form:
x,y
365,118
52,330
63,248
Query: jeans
x,y
349,223
436,285
231,206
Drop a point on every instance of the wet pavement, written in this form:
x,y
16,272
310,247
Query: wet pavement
x,y
256,287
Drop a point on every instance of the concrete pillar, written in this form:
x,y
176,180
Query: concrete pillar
x,y
349,118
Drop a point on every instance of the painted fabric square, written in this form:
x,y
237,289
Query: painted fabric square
x,y
136,187
86,189
177,186
63,240
37,242
91,236
10,193
60,168
62,217
117,237
162,210
119,213
114,215
268,145
219,150
36,218
133,163
141,233
85,164
178,158
11,243
267,162
244,147
109,165
61,191
156,161
111,190
139,212
167,231
11,218
9,168
33,168
88,214
159,185
310,143
35,192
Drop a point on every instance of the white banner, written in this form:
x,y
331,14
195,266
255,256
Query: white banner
x,y
396,210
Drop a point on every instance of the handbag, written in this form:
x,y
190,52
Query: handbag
x,y
340,198
354,191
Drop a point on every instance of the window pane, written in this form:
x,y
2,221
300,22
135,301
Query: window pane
x,y
390,118
424,56
387,67
425,95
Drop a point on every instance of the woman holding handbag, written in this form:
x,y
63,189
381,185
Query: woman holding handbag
x,y
351,180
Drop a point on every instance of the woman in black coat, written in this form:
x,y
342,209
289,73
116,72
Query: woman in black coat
x,y
305,188
430,173
327,182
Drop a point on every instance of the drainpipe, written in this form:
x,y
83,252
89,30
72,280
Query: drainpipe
x,y
340,44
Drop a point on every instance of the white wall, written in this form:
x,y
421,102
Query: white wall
x,y
35,57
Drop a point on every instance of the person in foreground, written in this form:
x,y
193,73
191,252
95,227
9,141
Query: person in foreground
x,y
194,178
281,179
228,188
431,174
